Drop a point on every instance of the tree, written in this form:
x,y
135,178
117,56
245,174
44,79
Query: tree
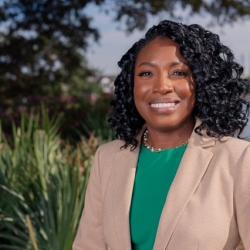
x,y
43,42
135,13
42,47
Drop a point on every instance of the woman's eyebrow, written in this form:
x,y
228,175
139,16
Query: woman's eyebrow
x,y
152,64
147,64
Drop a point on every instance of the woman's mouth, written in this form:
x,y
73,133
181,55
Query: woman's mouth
x,y
164,106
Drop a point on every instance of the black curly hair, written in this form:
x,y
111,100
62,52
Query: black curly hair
x,y
219,87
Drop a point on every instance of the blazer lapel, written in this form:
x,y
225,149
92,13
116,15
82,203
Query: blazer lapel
x,y
123,177
193,166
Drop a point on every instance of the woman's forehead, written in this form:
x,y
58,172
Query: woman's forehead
x,y
160,48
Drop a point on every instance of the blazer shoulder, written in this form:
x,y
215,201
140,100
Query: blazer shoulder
x,y
236,150
111,147
104,159
234,144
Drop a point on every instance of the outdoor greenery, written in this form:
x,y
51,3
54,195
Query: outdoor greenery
x,y
45,156
43,44
42,185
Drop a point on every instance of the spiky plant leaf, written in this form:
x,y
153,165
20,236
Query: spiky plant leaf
x,y
43,182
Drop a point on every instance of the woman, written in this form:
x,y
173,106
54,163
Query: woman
x,y
175,178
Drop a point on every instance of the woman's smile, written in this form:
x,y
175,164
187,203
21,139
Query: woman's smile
x,y
164,106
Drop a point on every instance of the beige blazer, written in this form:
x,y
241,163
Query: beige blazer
x,y
207,207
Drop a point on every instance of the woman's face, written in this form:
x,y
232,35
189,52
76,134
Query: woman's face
x,y
164,90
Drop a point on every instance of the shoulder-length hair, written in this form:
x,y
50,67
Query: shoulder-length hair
x,y
219,87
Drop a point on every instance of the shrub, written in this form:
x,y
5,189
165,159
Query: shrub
x,y
42,185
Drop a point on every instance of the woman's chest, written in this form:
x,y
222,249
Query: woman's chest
x,y
199,212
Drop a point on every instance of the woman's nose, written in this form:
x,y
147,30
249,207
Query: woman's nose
x,y
163,84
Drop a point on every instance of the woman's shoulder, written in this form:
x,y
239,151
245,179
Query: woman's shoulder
x,y
107,152
234,147
103,160
234,142
111,147
226,146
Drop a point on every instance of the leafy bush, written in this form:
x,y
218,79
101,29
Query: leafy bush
x,y
42,185
82,115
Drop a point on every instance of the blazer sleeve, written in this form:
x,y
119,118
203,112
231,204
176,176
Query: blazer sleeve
x,y
90,232
242,198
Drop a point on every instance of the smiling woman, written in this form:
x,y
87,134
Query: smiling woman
x,y
176,177
164,93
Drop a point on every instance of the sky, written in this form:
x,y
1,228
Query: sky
x,y
114,42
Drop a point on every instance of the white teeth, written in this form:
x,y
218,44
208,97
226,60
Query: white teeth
x,y
163,105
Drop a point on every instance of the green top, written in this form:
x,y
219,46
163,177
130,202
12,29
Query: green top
x,y
154,176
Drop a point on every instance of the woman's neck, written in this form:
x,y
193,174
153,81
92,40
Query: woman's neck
x,y
170,138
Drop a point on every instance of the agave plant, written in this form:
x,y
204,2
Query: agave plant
x,y
42,186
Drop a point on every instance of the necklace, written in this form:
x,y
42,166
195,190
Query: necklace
x,y
153,149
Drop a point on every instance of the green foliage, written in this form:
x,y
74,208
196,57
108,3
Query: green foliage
x,y
135,14
42,185
43,45
96,122
41,41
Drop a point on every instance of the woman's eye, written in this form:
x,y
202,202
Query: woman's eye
x,y
180,74
145,74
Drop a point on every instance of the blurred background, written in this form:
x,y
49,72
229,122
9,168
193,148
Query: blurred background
x,y
58,61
